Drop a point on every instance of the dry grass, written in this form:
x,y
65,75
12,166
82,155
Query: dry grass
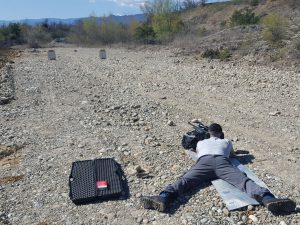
x,y
6,55
9,155
10,179
3,57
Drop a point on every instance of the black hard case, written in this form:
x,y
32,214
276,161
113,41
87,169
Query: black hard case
x,y
85,174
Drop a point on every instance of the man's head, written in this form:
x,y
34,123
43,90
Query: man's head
x,y
215,130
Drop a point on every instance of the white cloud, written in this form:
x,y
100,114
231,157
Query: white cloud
x,y
130,3
92,1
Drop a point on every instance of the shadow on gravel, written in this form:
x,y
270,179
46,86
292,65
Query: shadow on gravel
x,y
182,200
245,159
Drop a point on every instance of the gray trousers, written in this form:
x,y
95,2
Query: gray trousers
x,y
211,167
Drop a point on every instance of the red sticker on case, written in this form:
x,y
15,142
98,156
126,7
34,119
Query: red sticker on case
x,y
102,184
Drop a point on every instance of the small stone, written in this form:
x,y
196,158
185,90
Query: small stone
x,y
230,220
136,106
81,145
38,204
139,220
226,212
240,223
282,223
235,139
103,150
253,218
244,218
111,216
126,153
170,123
4,100
292,159
196,120
250,207
131,171
65,195
276,113
139,169
184,221
138,195
204,220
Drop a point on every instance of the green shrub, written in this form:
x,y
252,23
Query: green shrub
x,y
2,38
11,34
166,25
244,17
164,18
221,54
145,34
274,28
224,54
211,53
249,2
254,2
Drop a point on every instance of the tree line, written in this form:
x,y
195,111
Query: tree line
x,y
163,21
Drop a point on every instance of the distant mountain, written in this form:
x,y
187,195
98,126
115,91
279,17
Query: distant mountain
x,y
122,19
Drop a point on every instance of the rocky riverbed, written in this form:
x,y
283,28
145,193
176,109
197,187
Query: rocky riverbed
x,y
134,106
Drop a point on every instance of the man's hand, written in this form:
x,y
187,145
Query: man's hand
x,y
232,154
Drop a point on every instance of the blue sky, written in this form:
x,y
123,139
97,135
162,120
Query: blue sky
x,y
37,9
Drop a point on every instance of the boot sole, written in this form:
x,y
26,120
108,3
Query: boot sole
x,y
282,205
152,204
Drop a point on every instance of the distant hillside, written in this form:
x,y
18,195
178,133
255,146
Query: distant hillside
x,y
210,28
122,19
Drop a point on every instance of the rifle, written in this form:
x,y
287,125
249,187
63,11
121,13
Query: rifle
x,y
200,128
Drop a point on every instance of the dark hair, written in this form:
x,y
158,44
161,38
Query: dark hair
x,y
215,128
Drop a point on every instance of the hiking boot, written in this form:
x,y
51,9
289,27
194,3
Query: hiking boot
x,y
280,205
154,202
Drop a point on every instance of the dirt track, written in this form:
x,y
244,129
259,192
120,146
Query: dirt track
x,y
80,107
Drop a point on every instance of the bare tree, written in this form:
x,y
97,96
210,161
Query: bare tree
x,y
156,7
189,4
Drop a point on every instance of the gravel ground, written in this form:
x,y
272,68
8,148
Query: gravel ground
x,y
134,107
7,87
